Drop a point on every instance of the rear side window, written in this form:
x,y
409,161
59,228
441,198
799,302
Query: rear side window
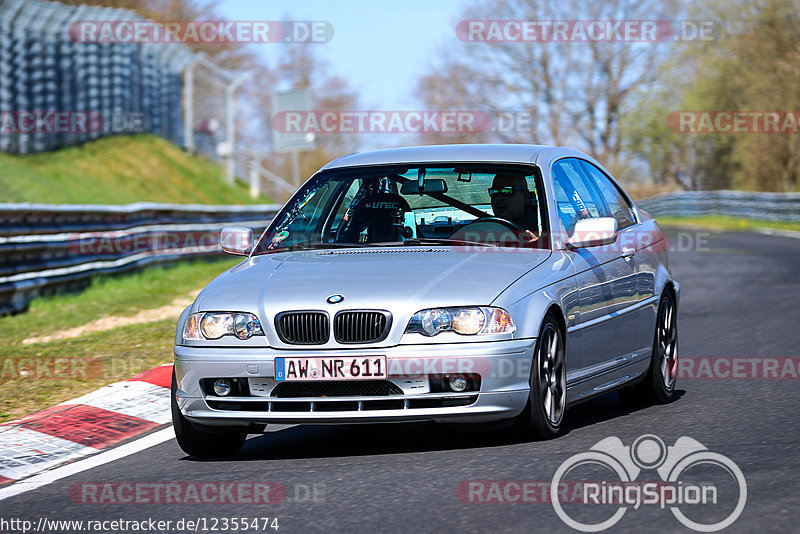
x,y
617,204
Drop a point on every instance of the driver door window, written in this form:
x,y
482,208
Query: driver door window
x,y
574,199
619,206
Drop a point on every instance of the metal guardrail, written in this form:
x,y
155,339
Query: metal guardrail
x,y
45,248
750,205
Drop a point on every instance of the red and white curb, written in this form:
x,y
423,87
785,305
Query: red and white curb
x,y
85,425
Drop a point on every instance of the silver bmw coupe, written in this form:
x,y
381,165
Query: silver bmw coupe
x,y
459,283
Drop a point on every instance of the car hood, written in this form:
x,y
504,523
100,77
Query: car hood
x,y
367,278
401,280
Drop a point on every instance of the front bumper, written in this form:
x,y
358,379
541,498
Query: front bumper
x,y
504,368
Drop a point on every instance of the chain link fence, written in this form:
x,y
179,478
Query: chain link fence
x,y
208,113
57,89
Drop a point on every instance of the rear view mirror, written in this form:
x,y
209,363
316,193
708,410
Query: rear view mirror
x,y
593,232
429,186
236,240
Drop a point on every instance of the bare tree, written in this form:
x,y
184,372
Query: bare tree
x,y
299,67
575,90
453,88
751,65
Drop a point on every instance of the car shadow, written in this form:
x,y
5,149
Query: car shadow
x,y
328,441
331,441
605,408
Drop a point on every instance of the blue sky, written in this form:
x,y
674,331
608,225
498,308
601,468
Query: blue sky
x,y
381,47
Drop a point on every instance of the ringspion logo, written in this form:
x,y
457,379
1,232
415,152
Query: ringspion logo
x,y
705,490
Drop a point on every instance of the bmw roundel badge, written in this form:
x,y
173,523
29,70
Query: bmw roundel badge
x,y
335,299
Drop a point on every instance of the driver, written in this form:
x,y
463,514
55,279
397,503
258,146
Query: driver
x,y
511,201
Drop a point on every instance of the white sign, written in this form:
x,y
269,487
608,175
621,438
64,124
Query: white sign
x,y
294,100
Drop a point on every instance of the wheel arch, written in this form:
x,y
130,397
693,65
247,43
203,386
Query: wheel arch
x,y
558,313
530,311
673,288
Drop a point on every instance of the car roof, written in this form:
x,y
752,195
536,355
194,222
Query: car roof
x,y
474,153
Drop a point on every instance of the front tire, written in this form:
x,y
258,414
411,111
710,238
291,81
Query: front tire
x,y
200,443
659,382
544,413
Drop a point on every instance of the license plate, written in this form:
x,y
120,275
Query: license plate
x,y
313,369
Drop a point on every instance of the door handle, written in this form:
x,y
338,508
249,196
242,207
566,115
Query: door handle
x,y
628,253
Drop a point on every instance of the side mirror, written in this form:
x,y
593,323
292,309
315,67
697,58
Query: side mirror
x,y
236,240
593,232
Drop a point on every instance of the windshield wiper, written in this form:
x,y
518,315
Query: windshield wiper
x,y
415,241
316,246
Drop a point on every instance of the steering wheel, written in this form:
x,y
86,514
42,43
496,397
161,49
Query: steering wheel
x,y
516,230
514,227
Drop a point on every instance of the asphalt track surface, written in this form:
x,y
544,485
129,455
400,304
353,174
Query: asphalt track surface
x,y
740,294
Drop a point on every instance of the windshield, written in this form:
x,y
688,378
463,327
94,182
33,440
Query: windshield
x,y
385,206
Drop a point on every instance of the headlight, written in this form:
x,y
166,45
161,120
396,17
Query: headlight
x,y
469,321
216,325
466,321
434,321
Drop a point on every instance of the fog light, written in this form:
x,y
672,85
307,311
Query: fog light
x,y
458,384
222,387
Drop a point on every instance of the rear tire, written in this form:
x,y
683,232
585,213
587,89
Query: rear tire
x,y
544,413
198,442
659,381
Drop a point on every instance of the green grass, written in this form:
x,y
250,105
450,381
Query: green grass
x,y
726,223
120,295
66,369
118,170
107,356
113,170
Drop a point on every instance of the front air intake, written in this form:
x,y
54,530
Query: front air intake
x,y
302,327
361,326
